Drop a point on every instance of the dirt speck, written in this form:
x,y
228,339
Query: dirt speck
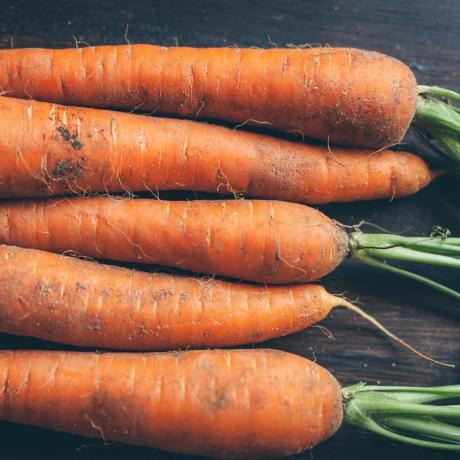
x,y
68,137
80,286
161,294
68,168
64,132
76,144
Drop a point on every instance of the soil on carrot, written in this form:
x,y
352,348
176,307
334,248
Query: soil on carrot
x,y
69,169
72,138
161,294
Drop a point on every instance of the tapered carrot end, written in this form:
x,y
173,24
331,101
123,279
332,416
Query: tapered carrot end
x,y
410,174
435,173
342,302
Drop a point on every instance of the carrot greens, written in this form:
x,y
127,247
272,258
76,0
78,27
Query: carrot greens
x,y
438,249
437,122
402,413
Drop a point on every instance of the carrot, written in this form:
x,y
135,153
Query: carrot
x,y
266,241
224,404
67,300
51,150
348,96
82,303
251,404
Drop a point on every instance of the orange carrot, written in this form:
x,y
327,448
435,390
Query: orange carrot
x,y
82,303
78,302
223,404
252,404
266,241
346,96
50,150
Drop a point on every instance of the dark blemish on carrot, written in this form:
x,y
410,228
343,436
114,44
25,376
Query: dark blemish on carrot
x,y
161,294
277,258
68,168
64,132
80,286
72,138
6,391
219,402
44,288
76,144
256,335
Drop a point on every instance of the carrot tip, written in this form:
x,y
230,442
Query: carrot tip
x,y
342,302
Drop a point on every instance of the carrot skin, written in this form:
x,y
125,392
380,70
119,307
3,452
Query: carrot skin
x,y
224,404
347,96
265,241
49,149
77,302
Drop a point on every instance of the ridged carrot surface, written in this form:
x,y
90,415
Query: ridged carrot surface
x,y
225,404
78,302
343,95
49,149
265,241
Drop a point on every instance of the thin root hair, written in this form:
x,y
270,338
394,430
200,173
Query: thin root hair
x,y
342,302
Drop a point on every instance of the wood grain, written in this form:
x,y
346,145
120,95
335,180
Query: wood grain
x,y
422,34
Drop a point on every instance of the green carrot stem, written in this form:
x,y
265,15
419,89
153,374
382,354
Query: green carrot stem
x,y
424,426
443,244
411,255
364,258
438,250
438,92
388,406
436,116
451,391
376,409
434,150
371,425
415,394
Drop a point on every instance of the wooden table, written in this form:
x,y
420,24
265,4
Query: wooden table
x,y
422,34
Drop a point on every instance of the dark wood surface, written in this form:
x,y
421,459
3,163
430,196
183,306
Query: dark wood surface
x,y
422,34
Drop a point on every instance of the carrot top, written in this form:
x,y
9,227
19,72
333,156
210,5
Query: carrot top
x,y
402,413
438,249
437,122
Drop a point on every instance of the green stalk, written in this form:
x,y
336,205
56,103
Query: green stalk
x,y
357,255
428,426
445,245
402,414
406,254
437,120
415,394
439,250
